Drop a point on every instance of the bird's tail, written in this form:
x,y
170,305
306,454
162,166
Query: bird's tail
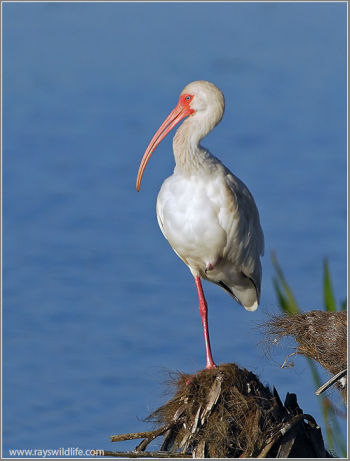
x,y
246,295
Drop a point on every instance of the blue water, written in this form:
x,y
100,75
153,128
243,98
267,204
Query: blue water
x,y
96,306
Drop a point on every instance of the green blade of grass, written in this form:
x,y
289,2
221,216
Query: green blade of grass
x,y
289,303
328,295
281,298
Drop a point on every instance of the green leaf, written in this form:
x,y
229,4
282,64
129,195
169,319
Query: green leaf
x,y
329,299
283,290
281,298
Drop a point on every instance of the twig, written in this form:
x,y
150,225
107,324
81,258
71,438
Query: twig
x,y
141,446
144,454
331,381
284,364
133,435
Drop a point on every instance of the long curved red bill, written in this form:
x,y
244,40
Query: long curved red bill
x,y
176,115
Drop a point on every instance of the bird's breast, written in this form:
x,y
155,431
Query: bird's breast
x,y
189,211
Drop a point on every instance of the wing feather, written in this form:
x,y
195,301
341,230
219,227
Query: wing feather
x,y
245,238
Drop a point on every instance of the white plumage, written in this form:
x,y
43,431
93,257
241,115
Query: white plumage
x,y
205,212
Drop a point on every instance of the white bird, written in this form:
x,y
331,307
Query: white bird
x,y
206,213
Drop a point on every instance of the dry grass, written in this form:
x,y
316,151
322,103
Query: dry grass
x,y
320,335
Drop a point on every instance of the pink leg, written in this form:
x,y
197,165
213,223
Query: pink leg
x,y
203,310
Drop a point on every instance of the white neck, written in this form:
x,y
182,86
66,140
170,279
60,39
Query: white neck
x,y
189,154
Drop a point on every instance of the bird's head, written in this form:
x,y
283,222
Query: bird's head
x,y
204,99
199,99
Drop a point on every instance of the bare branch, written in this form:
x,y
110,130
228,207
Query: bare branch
x,y
331,381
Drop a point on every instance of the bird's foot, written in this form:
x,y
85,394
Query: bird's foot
x,y
210,363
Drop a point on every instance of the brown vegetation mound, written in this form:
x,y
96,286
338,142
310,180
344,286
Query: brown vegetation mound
x,y
227,412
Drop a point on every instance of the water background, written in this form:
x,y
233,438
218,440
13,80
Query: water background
x,y
96,306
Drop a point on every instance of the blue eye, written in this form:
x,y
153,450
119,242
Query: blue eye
x,y
188,98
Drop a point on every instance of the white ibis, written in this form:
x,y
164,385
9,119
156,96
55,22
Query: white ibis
x,y
206,213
